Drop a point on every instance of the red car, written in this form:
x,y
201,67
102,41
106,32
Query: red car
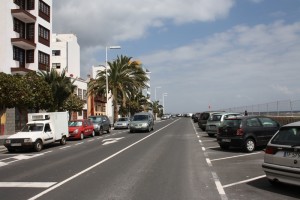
x,y
81,128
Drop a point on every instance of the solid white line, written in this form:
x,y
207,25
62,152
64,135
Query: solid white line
x,y
219,185
249,154
245,181
97,164
27,184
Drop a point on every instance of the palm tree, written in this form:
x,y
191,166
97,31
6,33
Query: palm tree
x,y
156,107
124,78
61,86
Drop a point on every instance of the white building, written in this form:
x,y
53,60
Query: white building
x,y
66,55
26,27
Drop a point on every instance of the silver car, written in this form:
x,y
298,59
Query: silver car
x,y
282,155
143,121
122,122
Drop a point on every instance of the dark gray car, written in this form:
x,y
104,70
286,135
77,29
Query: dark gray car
x,y
142,121
101,123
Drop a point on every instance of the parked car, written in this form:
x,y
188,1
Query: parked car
x,y
81,128
142,121
166,116
196,117
282,155
215,121
247,132
122,122
204,117
101,123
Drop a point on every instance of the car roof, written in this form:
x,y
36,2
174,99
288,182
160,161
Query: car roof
x,y
292,124
142,113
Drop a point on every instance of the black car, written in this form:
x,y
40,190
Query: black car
x,y
196,117
247,132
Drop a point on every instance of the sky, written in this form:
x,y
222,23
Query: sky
x,y
205,54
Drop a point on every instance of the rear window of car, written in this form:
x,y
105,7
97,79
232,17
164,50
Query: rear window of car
x,y
232,122
215,118
287,136
140,117
95,119
204,116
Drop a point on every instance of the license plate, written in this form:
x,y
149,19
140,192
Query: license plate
x,y
226,140
291,154
15,144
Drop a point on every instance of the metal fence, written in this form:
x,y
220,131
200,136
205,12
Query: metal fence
x,y
277,108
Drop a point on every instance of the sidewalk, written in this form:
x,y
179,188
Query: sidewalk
x,y
2,138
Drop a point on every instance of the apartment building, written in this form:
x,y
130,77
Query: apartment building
x,y
26,27
66,55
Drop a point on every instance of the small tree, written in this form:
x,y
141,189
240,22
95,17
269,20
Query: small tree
x,y
73,104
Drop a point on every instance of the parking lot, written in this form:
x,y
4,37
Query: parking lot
x,y
239,175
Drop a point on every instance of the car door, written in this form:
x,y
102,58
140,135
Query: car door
x,y
48,134
254,128
270,127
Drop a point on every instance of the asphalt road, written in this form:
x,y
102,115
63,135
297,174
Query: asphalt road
x,y
175,161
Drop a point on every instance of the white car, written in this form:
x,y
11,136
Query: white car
x,y
122,122
282,155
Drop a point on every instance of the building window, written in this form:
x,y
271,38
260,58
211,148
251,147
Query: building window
x,y
80,93
56,65
44,11
84,96
56,53
25,4
44,61
44,36
19,55
30,56
30,32
19,27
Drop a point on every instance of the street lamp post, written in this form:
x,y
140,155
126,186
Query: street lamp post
x,y
106,77
155,91
163,96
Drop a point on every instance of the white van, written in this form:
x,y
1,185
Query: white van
x,y
41,129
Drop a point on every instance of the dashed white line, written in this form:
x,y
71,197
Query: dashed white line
x,y
203,149
27,184
79,143
208,162
65,147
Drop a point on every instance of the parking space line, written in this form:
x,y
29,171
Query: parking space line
x,y
248,154
213,147
245,181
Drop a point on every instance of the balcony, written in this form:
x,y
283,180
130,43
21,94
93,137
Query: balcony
x,y
23,15
23,43
20,70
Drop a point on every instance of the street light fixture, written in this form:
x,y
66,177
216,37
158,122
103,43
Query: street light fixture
x,y
163,96
155,91
106,66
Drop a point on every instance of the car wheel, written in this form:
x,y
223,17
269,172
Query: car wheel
x,y
210,134
224,146
93,133
101,130
249,145
81,136
108,130
63,140
10,150
38,145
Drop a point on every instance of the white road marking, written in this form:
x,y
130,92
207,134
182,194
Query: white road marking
x,y
245,181
97,164
65,147
111,140
208,162
203,149
27,184
79,143
90,140
249,154
219,186
213,147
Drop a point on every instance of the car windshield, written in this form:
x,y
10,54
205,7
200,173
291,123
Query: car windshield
x,y
140,117
33,128
95,119
75,123
287,136
123,119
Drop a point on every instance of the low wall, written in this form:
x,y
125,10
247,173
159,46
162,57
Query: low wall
x,y
283,120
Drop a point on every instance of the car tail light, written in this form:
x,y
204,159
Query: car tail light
x,y
240,132
270,150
